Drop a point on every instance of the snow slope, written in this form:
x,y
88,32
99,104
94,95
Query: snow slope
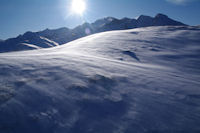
x,y
142,80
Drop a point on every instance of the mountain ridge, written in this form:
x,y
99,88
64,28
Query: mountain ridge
x,y
53,37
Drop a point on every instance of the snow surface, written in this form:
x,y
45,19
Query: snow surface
x,y
135,81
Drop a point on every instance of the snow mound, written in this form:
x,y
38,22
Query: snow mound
x,y
142,80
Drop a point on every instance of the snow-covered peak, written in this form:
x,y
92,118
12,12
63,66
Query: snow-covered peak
x,y
144,21
49,32
101,22
29,34
160,15
126,19
144,17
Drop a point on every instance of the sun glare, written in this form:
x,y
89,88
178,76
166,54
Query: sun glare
x,y
78,6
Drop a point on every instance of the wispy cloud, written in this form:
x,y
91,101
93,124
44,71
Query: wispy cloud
x,y
180,2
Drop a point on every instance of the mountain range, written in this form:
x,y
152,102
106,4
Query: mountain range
x,y
50,38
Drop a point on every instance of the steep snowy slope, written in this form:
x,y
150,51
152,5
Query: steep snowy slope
x,y
27,41
136,81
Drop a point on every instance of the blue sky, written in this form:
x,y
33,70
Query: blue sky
x,y
19,16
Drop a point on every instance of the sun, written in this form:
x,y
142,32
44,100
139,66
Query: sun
x,y
78,6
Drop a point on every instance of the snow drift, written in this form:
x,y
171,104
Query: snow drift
x,y
142,80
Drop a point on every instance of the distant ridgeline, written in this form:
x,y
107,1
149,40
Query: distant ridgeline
x,y
50,38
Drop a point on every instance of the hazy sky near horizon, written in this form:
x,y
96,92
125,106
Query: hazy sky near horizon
x,y
19,16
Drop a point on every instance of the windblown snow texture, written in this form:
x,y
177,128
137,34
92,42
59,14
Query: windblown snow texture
x,y
144,80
